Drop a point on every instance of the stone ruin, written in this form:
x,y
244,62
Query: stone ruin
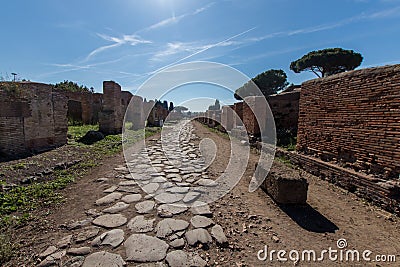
x,y
34,116
110,117
347,128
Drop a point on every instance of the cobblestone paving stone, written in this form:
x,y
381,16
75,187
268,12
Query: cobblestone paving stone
x,y
152,212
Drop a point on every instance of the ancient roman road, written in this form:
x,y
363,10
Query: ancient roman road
x,y
151,211
140,213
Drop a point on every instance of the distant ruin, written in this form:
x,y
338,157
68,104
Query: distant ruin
x,y
35,116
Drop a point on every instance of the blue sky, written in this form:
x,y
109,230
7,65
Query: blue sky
x,y
127,41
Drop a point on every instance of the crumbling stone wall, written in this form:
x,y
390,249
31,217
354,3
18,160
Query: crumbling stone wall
x,y
353,118
111,116
33,118
285,109
134,113
97,106
227,117
126,97
86,105
238,108
157,114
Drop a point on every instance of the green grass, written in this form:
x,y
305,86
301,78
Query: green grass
x,y
17,204
23,199
285,161
17,166
76,132
6,247
217,131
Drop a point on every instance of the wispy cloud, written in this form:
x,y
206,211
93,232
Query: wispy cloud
x,y
323,27
132,39
204,48
174,48
384,13
176,19
135,39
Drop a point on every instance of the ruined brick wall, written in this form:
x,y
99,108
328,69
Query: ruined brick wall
x,y
238,108
157,113
353,118
285,109
111,116
97,106
86,105
385,193
227,117
258,104
33,118
134,113
126,97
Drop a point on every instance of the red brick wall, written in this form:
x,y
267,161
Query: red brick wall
x,y
33,118
86,101
353,118
111,117
238,108
285,108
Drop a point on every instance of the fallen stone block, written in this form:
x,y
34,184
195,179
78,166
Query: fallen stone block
x,y
284,187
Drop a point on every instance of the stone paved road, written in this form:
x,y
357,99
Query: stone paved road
x,y
151,213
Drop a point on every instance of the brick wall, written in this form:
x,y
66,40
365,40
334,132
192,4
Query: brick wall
x,y
227,117
353,118
33,118
381,192
238,108
80,103
135,113
111,116
285,108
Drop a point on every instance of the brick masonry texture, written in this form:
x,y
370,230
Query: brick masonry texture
x,y
353,118
111,116
33,118
284,107
385,194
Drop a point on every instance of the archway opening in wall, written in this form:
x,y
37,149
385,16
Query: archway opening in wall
x,y
74,113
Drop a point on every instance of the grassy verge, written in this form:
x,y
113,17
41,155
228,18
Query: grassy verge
x,y
17,203
217,131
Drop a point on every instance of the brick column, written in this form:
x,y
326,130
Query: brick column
x,y
227,117
255,105
136,110
111,117
238,108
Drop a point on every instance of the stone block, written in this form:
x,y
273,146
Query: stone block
x,y
283,187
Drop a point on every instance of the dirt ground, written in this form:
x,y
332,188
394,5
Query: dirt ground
x,y
250,220
254,220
